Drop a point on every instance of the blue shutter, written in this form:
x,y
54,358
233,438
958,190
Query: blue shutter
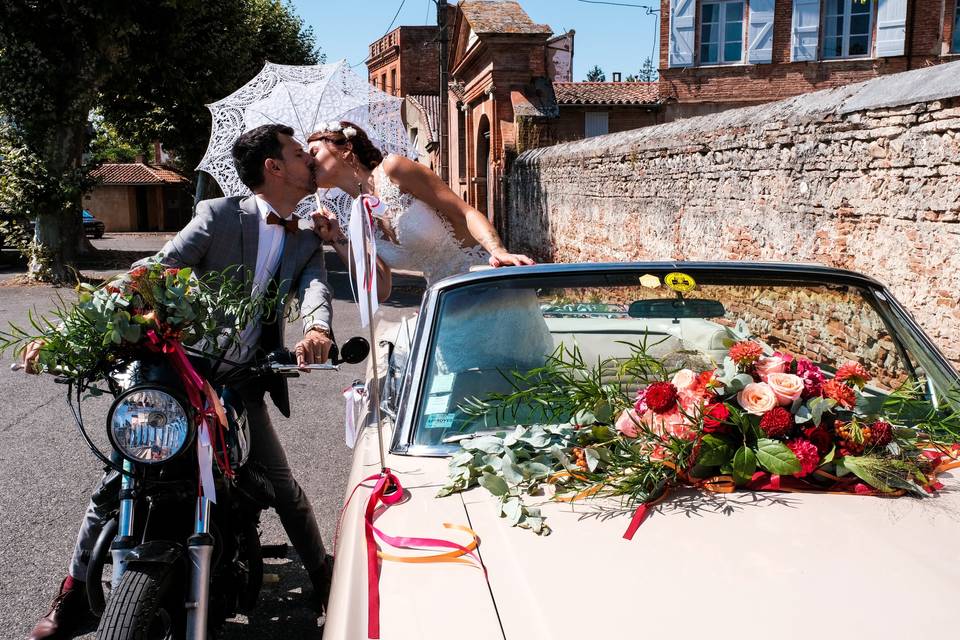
x,y
891,27
760,33
683,19
805,31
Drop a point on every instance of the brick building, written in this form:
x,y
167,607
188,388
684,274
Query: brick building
x,y
719,54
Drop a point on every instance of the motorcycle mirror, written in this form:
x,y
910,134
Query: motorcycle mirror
x,y
354,350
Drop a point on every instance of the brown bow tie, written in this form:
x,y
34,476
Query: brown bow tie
x,y
291,225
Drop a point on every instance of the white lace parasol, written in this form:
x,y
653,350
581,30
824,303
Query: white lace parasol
x,y
301,97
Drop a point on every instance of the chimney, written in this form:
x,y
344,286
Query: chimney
x,y
139,158
157,153
615,76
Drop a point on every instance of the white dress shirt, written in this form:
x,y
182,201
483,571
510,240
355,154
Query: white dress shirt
x,y
269,251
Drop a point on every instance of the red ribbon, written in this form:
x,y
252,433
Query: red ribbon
x,y
388,481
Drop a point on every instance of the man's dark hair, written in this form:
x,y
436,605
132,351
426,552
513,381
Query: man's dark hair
x,y
255,146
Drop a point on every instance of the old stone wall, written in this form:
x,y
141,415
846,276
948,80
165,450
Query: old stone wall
x,y
864,177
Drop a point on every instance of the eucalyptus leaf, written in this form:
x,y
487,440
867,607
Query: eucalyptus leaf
x,y
494,484
511,474
593,458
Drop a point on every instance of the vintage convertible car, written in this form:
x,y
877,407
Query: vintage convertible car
x,y
739,565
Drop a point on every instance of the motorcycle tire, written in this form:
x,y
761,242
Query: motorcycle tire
x,y
147,605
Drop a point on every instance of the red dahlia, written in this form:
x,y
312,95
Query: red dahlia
x,y
661,397
821,439
776,422
807,454
745,353
852,373
714,416
882,433
840,392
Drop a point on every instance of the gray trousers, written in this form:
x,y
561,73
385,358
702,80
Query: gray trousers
x,y
292,504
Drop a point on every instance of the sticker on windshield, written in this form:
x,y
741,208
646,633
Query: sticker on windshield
x,y
680,282
437,404
440,421
649,281
442,383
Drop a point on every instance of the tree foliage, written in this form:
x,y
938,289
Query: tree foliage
x,y
647,73
149,66
596,75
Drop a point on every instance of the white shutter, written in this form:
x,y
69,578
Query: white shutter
x,y
595,124
760,33
683,21
891,27
805,32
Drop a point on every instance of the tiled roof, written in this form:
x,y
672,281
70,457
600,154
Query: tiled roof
x,y
429,106
606,92
536,99
496,16
136,173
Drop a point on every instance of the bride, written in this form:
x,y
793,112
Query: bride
x,y
426,228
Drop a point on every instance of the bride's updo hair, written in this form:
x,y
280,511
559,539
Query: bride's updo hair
x,y
341,133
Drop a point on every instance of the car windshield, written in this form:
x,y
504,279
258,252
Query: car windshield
x,y
490,334
87,215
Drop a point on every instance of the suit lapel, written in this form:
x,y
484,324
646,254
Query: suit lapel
x,y
249,240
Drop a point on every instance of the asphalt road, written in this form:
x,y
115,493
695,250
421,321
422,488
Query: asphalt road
x,y
46,471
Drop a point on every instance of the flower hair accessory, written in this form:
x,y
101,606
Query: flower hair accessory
x,y
349,132
331,127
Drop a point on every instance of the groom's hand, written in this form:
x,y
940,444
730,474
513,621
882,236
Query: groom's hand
x,y
314,348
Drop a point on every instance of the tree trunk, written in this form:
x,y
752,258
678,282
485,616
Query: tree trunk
x,y
59,237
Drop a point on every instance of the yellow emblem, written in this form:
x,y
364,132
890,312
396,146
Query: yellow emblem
x,y
680,282
649,281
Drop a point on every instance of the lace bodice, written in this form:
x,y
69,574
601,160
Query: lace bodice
x,y
424,238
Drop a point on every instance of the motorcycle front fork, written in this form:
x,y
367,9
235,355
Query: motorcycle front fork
x,y
200,552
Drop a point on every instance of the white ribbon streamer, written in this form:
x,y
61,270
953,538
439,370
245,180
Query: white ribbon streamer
x,y
364,253
205,460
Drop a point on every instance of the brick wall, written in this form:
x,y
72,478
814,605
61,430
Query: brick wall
x,y
929,29
865,177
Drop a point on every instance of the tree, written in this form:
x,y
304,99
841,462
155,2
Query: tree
x,y
647,73
596,75
148,65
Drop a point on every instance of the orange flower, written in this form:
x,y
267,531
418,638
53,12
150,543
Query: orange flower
x,y
852,373
840,392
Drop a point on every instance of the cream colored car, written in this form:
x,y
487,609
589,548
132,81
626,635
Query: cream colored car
x,y
740,566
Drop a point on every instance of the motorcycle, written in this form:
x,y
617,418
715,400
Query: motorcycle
x,y
168,563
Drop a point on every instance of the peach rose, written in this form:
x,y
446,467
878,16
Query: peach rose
x,y
770,364
673,424
684,379
627,423
786,386
757,398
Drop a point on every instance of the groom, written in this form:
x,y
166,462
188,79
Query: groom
x,y
254,236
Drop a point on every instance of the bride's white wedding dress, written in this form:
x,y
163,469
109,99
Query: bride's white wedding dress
x,y
498,327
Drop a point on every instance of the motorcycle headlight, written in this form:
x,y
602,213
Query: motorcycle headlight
x,y
148,426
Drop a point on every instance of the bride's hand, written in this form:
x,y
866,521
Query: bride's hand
x,y
504,259
326,226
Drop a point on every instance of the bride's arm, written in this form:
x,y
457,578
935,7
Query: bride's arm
x,y
423,184
327,228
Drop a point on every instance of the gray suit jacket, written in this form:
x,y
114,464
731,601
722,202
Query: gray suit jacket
x,y
223,236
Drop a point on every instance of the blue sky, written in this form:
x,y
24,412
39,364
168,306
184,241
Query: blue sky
x,y
614,37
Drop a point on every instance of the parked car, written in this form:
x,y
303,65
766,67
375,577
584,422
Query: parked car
x,y
705,565
92,226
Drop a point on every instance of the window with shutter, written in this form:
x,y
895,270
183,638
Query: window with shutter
x,y
847,26
760,32
721,32
595,124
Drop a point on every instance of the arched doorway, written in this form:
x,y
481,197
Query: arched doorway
x,y
481,200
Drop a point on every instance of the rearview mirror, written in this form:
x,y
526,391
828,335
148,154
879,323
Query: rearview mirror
x,y
676,308
353,351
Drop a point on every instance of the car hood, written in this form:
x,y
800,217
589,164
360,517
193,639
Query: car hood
x,y
744,565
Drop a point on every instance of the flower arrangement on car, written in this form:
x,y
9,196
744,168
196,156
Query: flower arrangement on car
x,y
759,422
149,304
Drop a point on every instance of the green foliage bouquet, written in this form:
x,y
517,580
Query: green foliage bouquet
x,y
108,323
